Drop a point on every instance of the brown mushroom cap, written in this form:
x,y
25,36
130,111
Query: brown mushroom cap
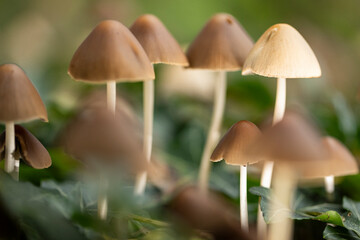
x,y
233,146
110,53
96,137
282,52
293,142
340,161
20,101
208,213
222,44
28,148
158,43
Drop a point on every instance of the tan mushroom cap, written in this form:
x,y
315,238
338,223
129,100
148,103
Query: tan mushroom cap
x,y
293,142
20,101
233,146
222,44
96,137
110,53
282,52
28,148
158,43
340,161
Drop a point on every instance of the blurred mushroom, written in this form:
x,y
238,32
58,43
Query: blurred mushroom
x,y
209,214
340,162
281,52
27,148
296,147
110,54
221,46
99,140
161,47
233,149
20,102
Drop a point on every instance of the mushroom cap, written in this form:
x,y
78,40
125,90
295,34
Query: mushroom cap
x,y
158,43
28,148
282,52
340,161
234,145
208,213
98,137
110,53
222,45
293,142
20,101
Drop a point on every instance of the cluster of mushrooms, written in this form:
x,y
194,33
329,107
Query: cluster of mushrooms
x,y
291,145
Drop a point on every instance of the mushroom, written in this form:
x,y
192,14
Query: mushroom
x,y
209,214
233,149
281,52
221,46
98,139
161,47
27,148
20,102
110,54
340,162
295,146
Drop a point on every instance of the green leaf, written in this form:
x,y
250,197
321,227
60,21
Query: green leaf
x,y
339,233
352,218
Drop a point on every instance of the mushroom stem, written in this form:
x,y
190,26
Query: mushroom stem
x,y
15,173
284,187
265,181
330,185
111,95
148,103
279,111
280,102
9,147
102,198
214,130
243,199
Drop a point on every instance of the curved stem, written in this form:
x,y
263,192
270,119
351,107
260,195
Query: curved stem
x,y
141,179
279,111
9,147
243,199
214,130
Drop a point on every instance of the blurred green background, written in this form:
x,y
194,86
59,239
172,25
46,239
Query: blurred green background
x,y
42,35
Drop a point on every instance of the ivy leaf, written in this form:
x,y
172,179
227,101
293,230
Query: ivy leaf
x,y
339,233
352,218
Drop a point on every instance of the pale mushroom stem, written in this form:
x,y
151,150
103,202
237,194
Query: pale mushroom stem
x,y
214,131
243,199
102,198
9,147
330,185
148,103
15,173
284,188
266,174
